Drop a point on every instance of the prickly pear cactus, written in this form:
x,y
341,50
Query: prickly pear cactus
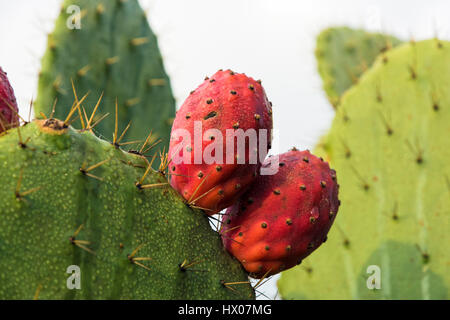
x,y
389,145
71,199
343,54
114,52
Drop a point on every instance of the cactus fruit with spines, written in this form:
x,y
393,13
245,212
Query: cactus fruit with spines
x,y
343,54
70,198
389,143
114,53
9,112
284,217
205,176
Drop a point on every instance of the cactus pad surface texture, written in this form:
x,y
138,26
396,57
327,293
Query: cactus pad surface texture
x,y
114,53
70,198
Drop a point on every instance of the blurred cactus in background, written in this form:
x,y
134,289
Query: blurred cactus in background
x,y
389,144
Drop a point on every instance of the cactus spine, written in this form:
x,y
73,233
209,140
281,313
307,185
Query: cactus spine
x,y
69,198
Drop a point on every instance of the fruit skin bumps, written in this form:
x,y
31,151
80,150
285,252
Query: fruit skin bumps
x,y
208,171
284,217
9,117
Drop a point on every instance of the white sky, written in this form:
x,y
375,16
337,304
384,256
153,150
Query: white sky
x,y
272,40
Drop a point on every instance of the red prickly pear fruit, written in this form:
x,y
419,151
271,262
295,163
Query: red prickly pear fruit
x,y
284,217
9,112
210,176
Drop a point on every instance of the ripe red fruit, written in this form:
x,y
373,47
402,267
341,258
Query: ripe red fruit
x,y
226,101
8,106
284,217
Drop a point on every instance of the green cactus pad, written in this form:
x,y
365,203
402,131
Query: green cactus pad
x,y
69,198
115,53
390,148
343,54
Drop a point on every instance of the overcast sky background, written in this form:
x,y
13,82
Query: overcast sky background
x,y
272,40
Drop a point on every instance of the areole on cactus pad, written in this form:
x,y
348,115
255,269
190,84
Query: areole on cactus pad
x,y
285,217
207,174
